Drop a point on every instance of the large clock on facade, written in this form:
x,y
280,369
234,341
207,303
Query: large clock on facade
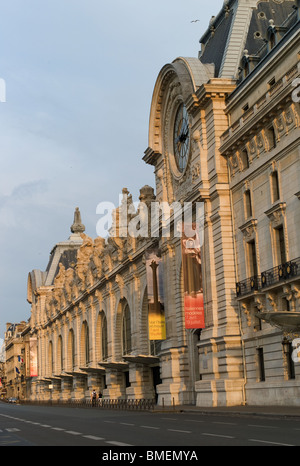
x,y
181,138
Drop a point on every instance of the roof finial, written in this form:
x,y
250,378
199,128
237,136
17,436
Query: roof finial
x,y
77,226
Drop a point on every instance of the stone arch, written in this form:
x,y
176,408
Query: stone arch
x,y
101,337
71,351
123,332
60,355
186,73
50,359
84,345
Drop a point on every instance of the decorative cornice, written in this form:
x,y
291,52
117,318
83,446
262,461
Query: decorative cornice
x,y
215,89
249,228
277,210
151,156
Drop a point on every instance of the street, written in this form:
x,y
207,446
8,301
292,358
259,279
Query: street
x,y
48,426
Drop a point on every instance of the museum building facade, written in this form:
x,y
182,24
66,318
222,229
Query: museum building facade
x,y
223,135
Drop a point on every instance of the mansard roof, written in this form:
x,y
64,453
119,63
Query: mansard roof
x,y
244,25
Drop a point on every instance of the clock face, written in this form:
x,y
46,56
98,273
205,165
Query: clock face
x,y
181,138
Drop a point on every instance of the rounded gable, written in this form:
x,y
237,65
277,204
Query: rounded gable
x,y
179,79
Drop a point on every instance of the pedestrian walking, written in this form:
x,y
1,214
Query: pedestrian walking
x,y
94,397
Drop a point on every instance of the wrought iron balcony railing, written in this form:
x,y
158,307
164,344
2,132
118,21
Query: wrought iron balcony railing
x,y
248,286
270,277
282,272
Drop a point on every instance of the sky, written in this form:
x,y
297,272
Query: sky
x,y
79,77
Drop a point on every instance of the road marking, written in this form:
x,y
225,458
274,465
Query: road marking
x,y
150,427
225,423
192,420
168,419
92,437
180,431
263,427
12,429
271,443
57,428
10,442
71,432
46,425
217,435
110,422
119,444
126,424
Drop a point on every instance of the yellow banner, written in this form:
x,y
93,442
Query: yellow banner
x,y
157,326
156,308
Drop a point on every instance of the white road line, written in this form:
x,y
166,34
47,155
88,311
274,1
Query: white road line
x,y
180,431
126,424
71,432
57,428
192,420
217,435
263,427
225,423
46,425
92,437
119,444
150,427
12,429
270,443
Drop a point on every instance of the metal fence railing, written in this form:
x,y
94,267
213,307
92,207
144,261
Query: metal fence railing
x,y
125,405
271,277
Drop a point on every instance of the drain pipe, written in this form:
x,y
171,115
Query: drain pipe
x,y
244,357
239,305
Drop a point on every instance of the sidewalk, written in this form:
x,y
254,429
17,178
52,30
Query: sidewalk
x,y
264,411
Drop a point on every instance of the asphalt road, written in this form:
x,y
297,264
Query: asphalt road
x,y
48,426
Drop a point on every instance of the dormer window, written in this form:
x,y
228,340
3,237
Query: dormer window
x,y
272,40
275,33
249,62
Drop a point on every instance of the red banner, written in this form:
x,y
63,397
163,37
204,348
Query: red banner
x,y
192,277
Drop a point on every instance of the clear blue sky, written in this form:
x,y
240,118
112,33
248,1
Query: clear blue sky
x,y
80,76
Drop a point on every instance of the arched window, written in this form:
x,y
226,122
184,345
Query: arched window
x,y
60,355
126,331
104,338
50,359
71,350
85,344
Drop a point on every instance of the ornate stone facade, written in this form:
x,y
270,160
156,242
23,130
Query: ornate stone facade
x,y
90,308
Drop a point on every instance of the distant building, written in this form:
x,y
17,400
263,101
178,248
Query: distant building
x,y
223,134
15,367
3,392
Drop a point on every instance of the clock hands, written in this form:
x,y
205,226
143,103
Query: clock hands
x,y
181,138
184,133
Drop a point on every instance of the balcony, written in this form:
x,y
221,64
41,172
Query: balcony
x,y
248,286
281,273
269,278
